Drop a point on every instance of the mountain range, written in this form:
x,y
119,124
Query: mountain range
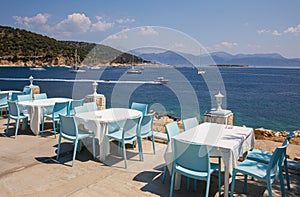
x,y
223,58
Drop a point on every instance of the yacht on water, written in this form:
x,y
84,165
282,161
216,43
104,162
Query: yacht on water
x,y
133,70
161,80
35,67
201,72
75,68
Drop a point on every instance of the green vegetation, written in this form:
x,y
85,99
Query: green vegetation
x,y
21,47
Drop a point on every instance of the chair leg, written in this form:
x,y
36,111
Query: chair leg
x,y
172,182
287,174
195,185
58,148
74,152
43,122
245,184
94,149
153,144
140,148
17,127
281,184
269,186
54,128
232,183
164,174
105,144
8,120
207,186
188,183
219,176
124,154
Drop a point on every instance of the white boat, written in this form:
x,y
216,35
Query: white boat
x,y
161,80
133,70
75,68
201,72
37,68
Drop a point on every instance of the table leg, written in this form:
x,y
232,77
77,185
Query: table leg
x,y
226,182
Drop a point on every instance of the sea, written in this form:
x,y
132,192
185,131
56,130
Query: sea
x,y
258,97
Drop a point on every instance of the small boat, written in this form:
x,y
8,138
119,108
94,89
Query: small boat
x,y
134,71
161,80
201,72
75,68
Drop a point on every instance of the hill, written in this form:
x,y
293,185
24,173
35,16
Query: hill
x,y
222,58
21,47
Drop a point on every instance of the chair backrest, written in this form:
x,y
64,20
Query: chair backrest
x,y
40,96
27,90
26,97
147,123
275,163
3,98
172,130
13,108
287,139
80,109
191,156
140,107
60,108
91,106
14,95
190,123
76,103
131,128
68,125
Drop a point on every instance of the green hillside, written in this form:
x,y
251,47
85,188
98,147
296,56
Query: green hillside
x,y
21,47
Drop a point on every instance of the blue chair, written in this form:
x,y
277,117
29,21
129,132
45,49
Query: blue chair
x,y
265,173
60,108
192,160
91,106
40,96
190,123
265,157
14,95
3,102
73,104
128,134
146,130
27,90
172,130
15,114
26,97
69,130
140,107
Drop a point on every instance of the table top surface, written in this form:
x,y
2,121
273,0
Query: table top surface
x,y
43,102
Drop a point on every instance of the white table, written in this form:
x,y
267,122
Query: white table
x,y
228,142
9,92
35,110
98,121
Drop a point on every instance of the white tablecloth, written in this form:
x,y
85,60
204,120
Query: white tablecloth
x,y
230,143
98,121
35,110
9,92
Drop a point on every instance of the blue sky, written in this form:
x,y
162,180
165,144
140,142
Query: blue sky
x,y
233,26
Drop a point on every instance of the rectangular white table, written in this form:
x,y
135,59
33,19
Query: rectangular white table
x,y
36,108
97,122
228,142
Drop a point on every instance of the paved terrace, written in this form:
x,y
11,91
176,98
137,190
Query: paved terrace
x,y
29,168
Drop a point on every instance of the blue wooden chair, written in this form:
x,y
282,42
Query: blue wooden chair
x,y
91,106
14,95
146,130
60,108
15,114
192,160
265,157
73,104
69,130
190,123
27,90
140,107
265,173
40,96
26,97
172,130
3,102
125,135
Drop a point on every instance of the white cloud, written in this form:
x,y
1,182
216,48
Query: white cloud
x,y
118,36
32,21
229,44
276,33
125,20
263,31
75,22
293,29
148,31
101,25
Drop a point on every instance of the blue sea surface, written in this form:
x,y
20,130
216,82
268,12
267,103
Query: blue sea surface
x,y
258,97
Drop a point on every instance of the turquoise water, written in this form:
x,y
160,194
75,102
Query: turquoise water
x,y
259,97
